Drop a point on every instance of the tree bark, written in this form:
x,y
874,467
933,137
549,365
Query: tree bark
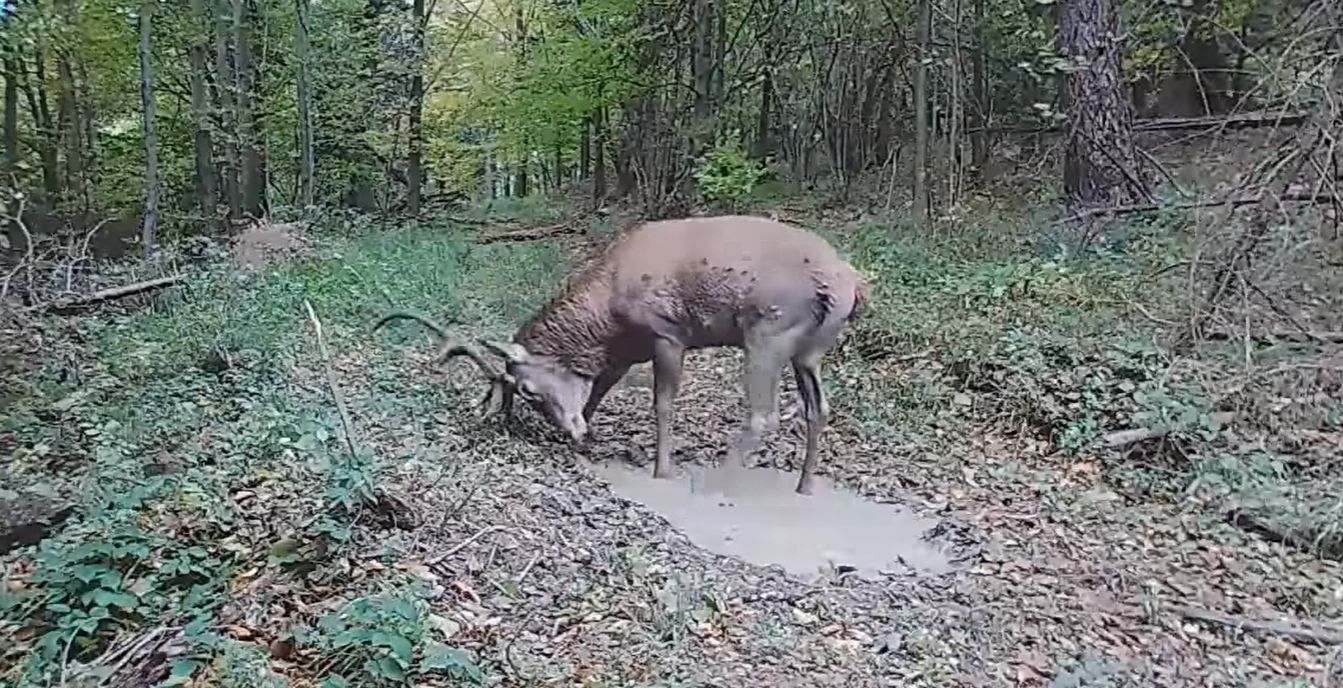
x,y
920,190
415,157
225,91
252,177
11,125
979,140
1101,162
149,223
207,191
306,155
585,149
49,138
599,158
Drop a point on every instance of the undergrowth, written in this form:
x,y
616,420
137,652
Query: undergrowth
x,y
205,454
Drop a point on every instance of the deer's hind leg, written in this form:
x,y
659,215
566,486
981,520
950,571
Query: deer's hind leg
x,y
815,408
765,357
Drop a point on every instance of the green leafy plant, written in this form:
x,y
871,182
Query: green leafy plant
x,y
380,641
726,175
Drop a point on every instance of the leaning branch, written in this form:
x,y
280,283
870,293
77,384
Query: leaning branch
x,y
346,424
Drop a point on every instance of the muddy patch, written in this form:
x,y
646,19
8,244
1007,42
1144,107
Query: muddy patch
x,y
265,243
753,514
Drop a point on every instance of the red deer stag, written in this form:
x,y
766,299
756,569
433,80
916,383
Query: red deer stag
x,y
780,293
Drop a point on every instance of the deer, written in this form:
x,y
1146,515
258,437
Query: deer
x,y
780,293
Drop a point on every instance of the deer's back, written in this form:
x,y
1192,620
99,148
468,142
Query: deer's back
x,y
707,281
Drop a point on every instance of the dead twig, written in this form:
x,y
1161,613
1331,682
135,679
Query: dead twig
x,y
346,424
434,561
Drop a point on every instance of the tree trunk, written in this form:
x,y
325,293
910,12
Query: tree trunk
x,y
1101,163
415,157
251,178
306,154
922,53
599,158
149,226
979,141
763,138
225,92
48,138
585,150
11,113
701,71
207,193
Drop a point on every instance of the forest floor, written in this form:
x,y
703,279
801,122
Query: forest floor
x,y
227,531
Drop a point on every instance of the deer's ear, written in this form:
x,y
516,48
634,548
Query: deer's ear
x,y
512,352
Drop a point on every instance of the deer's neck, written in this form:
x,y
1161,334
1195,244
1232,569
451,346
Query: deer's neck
x,y
576,329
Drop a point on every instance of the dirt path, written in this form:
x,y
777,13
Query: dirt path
x,y
1053,578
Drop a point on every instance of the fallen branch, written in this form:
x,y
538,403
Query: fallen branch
x,y
1190,205
530,234
1247,121
1123,438
1300,336
1297,630
346,424
109,294
1313,540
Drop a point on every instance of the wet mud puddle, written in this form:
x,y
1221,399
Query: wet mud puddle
x,y
753,514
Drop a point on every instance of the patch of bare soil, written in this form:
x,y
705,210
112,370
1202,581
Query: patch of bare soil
x,y
264,243
1054,578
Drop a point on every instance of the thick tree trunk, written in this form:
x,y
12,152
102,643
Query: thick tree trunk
x,y
306,155
920,190
415,157
149,223
225,94
207,190
252,176
1101,163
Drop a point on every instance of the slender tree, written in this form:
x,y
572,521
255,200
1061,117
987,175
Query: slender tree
x,y
306,161
149,222
415,157
924,31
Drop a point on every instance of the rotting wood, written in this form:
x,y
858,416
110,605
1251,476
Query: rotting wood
x,y
108,294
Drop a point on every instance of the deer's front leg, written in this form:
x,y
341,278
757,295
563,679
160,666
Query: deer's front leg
x,y
667,360
603,384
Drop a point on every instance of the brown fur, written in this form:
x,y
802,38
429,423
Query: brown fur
x,y
779,292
